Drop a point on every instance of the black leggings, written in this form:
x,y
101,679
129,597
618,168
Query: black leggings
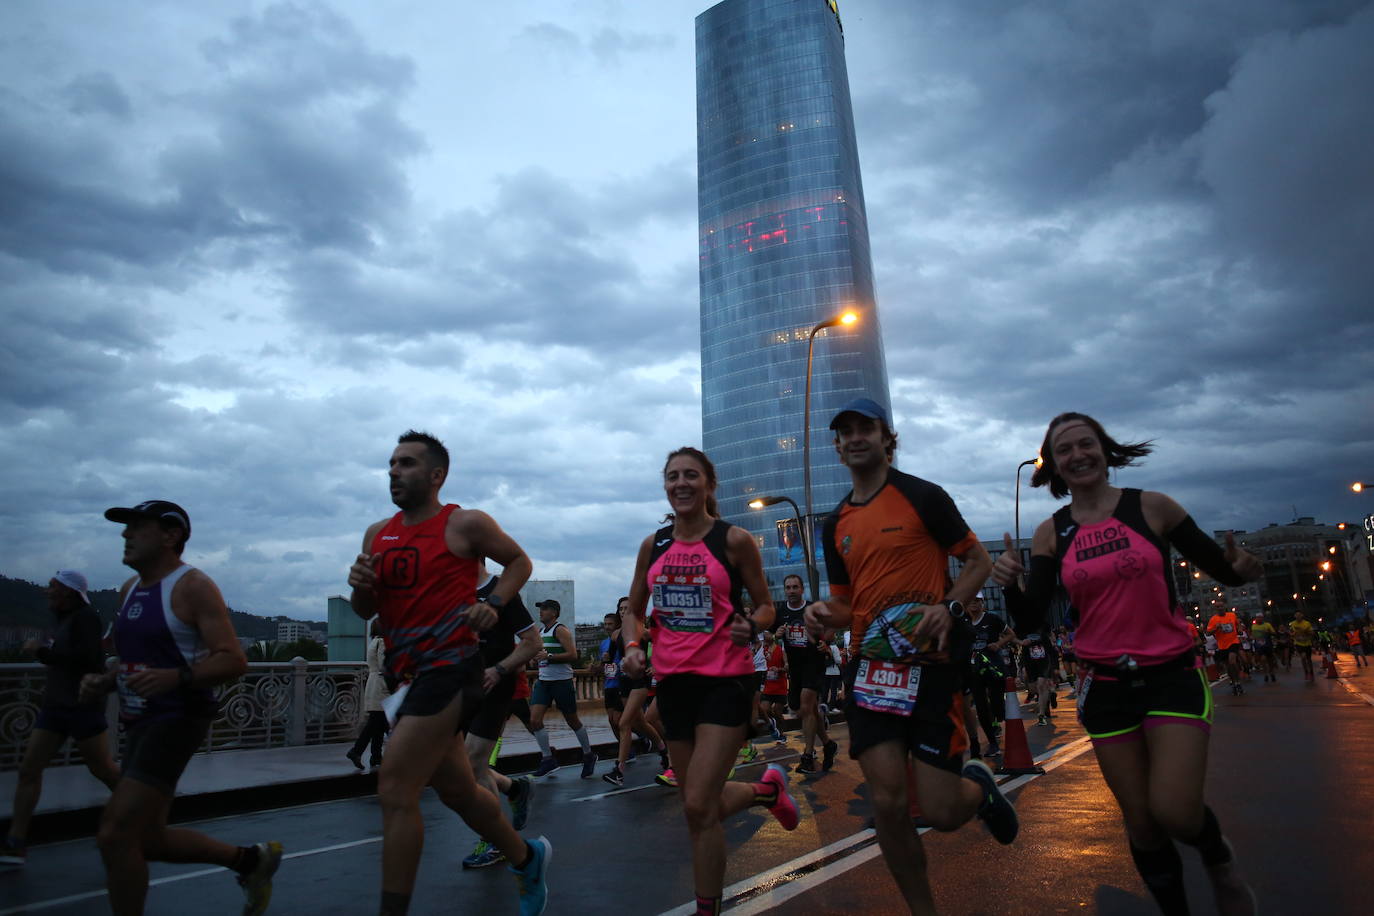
x,y
988,701
374,730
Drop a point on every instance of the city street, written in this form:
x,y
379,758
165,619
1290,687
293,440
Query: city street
x,y
1289,778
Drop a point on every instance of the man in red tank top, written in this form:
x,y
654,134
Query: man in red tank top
x,y
418,573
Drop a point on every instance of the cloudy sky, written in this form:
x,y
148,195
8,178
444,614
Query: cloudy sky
x,y
244,245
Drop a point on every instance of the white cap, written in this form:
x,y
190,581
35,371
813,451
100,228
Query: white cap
x,y
74,581
979,595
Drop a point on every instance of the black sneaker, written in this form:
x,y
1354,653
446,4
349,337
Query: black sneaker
x,y
589,764
828,755
546,766
807,764
614,777
355,759
523,789
996,813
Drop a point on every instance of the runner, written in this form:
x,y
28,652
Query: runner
x,y
504,666
1145,703
1262,636
887,549
634,696
374,694
1226,628
806,675
555,688
697,569
1356,644
175,642
611,697
773,703
1037,652
1285,646
73,652
418,572
986,680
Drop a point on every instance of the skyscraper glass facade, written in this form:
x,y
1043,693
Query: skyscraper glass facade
x,y
784,246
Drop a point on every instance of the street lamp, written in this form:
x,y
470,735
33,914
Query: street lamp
x,y
811,572
1357,486
1037,461
848,317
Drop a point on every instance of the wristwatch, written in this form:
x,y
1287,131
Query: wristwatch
x,y
956,609
495,601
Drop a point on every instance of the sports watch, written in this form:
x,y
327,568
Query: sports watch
x,y
495,601
956,609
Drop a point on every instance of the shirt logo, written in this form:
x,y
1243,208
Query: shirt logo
x,y
135,611
662,542
845,543
391,537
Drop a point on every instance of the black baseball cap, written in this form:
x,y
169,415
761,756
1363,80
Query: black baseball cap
x,y
550,604
160,509
866,407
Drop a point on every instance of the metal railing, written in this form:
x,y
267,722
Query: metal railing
x,y
275,704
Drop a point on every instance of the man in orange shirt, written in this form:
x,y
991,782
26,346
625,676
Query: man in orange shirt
x,y
887,549
1226,628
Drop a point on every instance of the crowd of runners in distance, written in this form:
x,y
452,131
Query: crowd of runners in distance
x,y
699,664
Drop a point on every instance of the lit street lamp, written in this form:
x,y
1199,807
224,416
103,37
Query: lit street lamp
x,y
811,572
848,317
1037,461
1357,486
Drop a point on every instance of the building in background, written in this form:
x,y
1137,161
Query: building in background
x,y
293,630
347,641
784,247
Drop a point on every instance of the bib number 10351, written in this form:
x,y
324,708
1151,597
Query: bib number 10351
x,y
888,687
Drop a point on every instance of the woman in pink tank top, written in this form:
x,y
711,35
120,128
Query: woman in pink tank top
x,y
693,574
1144,700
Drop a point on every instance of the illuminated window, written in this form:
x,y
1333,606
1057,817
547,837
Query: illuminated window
x,y
787,442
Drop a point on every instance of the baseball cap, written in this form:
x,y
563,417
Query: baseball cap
x,y
154,508
866,407
74,581
550,604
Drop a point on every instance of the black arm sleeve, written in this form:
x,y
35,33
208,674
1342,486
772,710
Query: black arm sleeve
x,y
1029,609
1203,552
80,652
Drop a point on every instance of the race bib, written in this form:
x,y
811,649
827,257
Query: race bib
x,y
684,608
888,687
1037,652
611,669
796,636
979,645
129,700
1226,628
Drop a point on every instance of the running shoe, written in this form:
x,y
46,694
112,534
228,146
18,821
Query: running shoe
x,y
546,766
663,758
355,759
824,710
522,790
993,750
828,755
667,778
483,855
747,754
1041,720
615,777
996,813
1232,895
257,884
534,888
783,807
589,760
777,733
375,763
13,854
807,764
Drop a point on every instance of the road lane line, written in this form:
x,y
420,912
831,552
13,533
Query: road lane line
x,y
771,888
184,876
1355,690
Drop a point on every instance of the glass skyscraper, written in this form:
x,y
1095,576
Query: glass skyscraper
x,y
784,246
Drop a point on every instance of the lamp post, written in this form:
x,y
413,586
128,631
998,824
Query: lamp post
x,y
813,577
1037,461
847,318
1357,486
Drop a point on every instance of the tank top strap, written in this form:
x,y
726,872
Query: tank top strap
x,y
715,542
1064,528
663,539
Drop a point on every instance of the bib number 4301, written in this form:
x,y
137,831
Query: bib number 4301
x,y
888,687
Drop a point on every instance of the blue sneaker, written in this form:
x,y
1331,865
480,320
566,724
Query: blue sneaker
x,y
523,787
546,766
534,890
483,855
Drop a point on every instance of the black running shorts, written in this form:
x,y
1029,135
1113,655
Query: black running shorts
x,y
1120,710
689,700
933,733
158,750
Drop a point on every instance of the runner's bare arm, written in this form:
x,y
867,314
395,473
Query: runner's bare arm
x,y
473,533
834,613
197,601
362,575
632,623
743,551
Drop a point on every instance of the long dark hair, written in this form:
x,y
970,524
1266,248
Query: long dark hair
x,y
1118,454
697,455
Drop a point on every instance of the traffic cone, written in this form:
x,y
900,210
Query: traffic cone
x,y
1016,755
1329,659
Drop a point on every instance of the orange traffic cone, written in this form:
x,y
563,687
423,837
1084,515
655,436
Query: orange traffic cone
x,y
1016,755
1329,659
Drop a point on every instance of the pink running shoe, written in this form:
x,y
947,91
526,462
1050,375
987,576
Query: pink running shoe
x,y
784,809
667,778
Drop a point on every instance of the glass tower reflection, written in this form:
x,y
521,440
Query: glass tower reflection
x,y
784,246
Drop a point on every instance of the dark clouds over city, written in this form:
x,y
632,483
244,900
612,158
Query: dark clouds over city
x,y
244,245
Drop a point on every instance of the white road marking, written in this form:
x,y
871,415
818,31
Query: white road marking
x,y
1355,690
864,851
653,785
184,876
